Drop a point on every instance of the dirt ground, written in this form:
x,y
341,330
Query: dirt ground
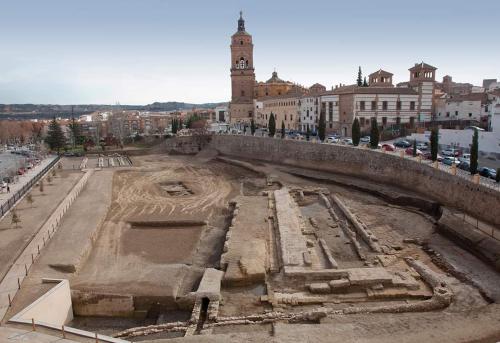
x,y
135,254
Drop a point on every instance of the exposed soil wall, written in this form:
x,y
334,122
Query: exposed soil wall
x,y
366,164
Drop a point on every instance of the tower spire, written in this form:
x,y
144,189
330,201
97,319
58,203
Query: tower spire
x,y
241,22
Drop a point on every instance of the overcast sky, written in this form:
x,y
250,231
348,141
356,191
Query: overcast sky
x,y
141,51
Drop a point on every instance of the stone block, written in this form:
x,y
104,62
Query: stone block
x,y
368,276
340,283
319,288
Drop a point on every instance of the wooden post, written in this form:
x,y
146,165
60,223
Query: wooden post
x,y
33,324
63,332
38,246
32,259
96,338
26,269
18,284
10,300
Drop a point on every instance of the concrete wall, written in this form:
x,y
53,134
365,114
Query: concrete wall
x,y
477,200
54,307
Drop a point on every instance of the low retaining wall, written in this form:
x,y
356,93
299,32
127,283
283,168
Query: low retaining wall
x,y
479,201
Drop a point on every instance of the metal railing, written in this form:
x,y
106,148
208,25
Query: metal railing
x,y
26,187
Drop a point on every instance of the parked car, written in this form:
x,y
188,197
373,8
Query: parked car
x,y
464,165
449,160
331,140
365,139
388,147
487,172
346,141
428,155
402,143
465,158
422,146
409,151
450,152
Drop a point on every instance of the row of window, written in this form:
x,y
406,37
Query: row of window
x,y
276,117
362,105
281,103
367,121
456,114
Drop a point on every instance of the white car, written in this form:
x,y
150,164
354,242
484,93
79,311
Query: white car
x,y
331,140
422,146
365,139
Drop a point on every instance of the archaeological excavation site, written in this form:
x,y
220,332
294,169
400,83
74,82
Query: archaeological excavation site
x,y
252,239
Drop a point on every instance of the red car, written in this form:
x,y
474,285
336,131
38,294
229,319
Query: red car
x,y
409,151
388,147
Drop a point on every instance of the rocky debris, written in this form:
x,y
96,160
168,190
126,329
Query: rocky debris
x,y
339,284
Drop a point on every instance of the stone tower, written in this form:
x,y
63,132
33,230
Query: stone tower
x,y
422,80
242,75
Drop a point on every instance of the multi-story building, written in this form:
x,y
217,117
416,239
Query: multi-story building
x,y
242,75
330,102
285,108
461,107
221,114
309,112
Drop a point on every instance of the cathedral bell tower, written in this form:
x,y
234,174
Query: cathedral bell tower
x,y
242,75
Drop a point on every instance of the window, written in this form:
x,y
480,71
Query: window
x,y
241,42
447,114
412,105
330,111
242,93
398,105
362,105
456,113
384,105
362,121
398,120
285,117
384,121
374,105
307,114
412,121
242,64
470,115
291,117
331,125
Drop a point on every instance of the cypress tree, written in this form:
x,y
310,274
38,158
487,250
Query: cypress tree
x,y
74,127
374,134
414,148
434,143
282,129
474,151
356,132
360,78
252,127
272,125
308,133
322,126
365,84
497,178
55,136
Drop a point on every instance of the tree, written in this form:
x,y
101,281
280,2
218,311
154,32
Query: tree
x,y
15,219
29,199
359,80
414,148
174,126
434,143
322,126
272,125
252,127
308,133
365,84
497,178
282,129
41,186
55,136
474,151
356,132
74,128
374,134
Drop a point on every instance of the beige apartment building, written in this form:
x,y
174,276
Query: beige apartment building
x,y
286,109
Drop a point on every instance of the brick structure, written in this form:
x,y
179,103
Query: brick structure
x,y
242,75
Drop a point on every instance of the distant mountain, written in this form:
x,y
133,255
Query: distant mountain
x,y
34,111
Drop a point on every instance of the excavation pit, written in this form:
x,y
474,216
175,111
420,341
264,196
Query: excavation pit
x,y
176,188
